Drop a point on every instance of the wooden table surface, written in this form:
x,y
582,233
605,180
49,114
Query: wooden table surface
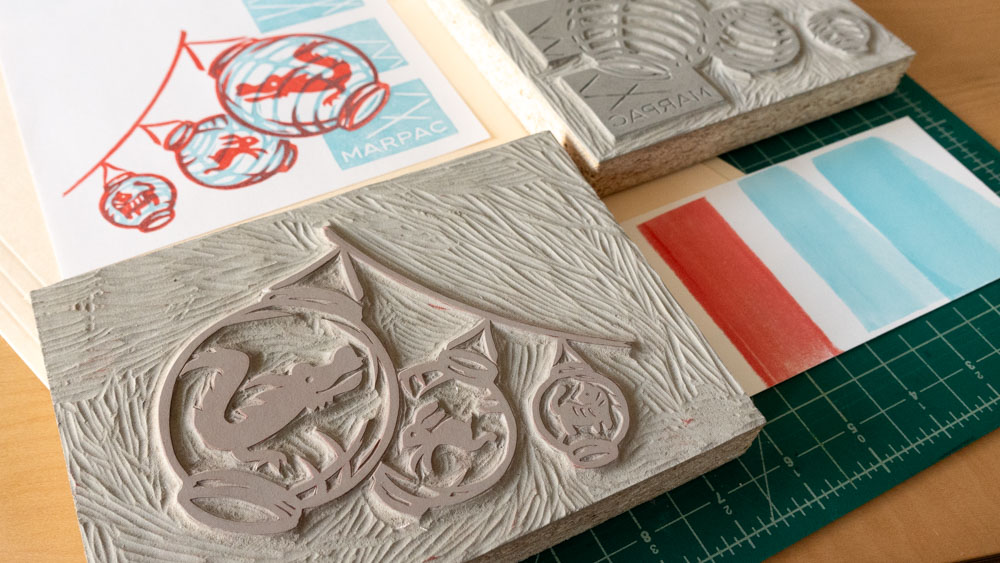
x,y
949,512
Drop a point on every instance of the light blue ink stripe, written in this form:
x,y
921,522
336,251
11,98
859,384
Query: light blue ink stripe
x,y
876,282
369,37
270,15
951,233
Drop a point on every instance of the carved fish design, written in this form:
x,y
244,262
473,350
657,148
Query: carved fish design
x,y
584,406
580,411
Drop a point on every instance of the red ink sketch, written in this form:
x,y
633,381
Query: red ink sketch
x,y
270,89
233,146
138,201
220,152
298,85
293,81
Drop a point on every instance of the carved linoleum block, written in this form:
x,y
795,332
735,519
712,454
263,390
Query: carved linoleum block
x,y
639,88
469,361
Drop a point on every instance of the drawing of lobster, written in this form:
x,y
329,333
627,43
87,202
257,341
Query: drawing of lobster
x,y
285,396
300,80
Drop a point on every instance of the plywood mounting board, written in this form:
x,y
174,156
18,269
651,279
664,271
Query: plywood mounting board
x,y
469,361
636,89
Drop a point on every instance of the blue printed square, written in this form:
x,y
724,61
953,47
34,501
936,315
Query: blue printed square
x,y
411,118
270,15
369,37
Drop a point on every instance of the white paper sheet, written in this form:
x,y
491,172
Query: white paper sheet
x,y
82,77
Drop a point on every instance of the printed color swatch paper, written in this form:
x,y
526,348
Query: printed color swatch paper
x,y
763,320
862,267
949,233
805,259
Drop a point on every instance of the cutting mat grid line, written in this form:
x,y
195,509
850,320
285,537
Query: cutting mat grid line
x,y
846,431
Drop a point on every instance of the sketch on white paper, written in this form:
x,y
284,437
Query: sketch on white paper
x,y
200,116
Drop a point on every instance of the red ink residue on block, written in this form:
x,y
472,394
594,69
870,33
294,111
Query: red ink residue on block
x,y
758,315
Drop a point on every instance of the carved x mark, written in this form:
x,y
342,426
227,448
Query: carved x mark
x,y
621,96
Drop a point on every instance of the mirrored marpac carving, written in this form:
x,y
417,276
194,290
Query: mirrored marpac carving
x,y
293,401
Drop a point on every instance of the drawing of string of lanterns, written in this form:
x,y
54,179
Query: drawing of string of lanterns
x,y
271,90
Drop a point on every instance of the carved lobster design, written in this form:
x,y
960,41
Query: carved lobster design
x,y
222,407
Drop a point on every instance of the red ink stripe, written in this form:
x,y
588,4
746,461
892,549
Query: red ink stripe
x,y
758,315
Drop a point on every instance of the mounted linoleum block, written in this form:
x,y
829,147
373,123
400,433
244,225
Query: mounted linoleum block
x,y
865,270
472,361
636,89
946,230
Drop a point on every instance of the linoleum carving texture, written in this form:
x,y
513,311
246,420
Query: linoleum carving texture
x,y
636,89
468,361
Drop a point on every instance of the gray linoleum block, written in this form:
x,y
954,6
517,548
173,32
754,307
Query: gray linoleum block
x,y
638,88
468,361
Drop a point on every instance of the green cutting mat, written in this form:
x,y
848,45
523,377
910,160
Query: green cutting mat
x,y
848,430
